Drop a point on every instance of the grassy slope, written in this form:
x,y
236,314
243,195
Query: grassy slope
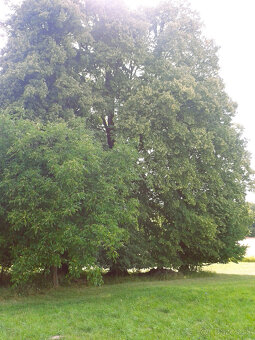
x,y
214,307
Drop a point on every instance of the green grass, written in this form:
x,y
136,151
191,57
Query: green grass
x,y
216,306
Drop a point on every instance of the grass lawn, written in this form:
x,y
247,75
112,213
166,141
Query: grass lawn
x,y
217,306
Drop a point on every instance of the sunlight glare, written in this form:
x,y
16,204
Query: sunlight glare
x,y
138,3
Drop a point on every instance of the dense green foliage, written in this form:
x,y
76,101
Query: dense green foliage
x,y
59,202
147,87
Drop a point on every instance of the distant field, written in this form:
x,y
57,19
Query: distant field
x,y
243,268
213,307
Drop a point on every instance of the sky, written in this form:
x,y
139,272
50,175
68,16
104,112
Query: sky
x,y
231,24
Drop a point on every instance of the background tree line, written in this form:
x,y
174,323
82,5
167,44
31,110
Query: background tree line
x,y
117,144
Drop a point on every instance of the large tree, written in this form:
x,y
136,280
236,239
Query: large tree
x,y
196,166
148,79
57,198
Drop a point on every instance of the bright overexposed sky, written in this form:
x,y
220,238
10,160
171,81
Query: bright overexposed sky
x,y
231,24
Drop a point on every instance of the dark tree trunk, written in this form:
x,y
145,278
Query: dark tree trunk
x,y
109,128
115,270
2,275
141,143
109,124
184,268
64,269
54,271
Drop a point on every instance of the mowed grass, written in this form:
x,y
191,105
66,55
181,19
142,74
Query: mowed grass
x,y
213,307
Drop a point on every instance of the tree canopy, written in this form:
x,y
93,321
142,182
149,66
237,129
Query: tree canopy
x,y
121,135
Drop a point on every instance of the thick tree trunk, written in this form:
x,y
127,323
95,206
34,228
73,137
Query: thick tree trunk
x,y
109,123
54,271
109,128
